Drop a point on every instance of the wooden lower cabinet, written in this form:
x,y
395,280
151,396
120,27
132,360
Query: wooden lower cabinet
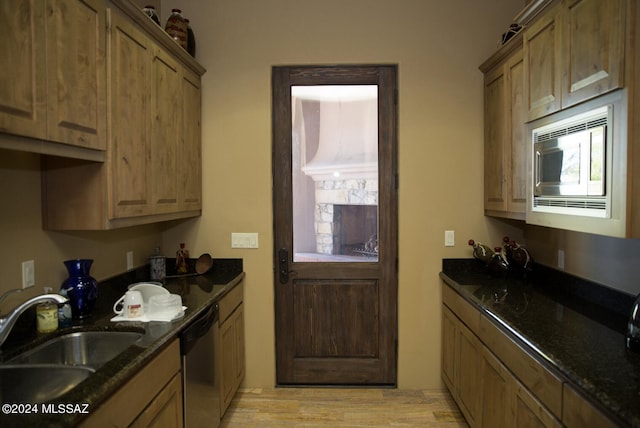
x,y
482,383
152,398
495,392
577,412
230,350
496,383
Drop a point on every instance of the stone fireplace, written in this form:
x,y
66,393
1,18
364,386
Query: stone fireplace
x,y
339,152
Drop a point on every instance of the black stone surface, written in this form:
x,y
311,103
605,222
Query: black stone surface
x,y
197,292
575,325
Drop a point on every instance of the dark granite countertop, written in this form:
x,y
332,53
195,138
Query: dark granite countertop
x,y
197,293
575,325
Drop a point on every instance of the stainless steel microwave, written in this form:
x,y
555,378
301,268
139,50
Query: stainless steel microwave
x,y
570,164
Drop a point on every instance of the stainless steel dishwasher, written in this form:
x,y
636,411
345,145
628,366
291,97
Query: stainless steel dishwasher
x,y
200,384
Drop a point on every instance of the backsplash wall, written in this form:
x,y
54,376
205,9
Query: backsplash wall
x,y
613,262
24,239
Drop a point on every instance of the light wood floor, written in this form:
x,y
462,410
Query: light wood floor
x,y
337,407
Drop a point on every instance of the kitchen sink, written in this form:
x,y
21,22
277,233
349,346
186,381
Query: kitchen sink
x,y
25,383
90,349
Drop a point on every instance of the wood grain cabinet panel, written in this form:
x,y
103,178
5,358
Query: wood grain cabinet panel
x,y
489,376
152,170
230,352
505,141
543,64
578,412
461,365
23,92
574,52
152,398
593,43
130,160
76,73
55,87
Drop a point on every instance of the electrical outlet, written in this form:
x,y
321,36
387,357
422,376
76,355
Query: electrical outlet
x,y
561,259
449,238
244,240
129,260
28,274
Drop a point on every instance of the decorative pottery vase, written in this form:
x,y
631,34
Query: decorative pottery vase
x,y
80,288
151,13
191,40
177,28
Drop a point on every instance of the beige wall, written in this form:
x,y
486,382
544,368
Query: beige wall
x,y
23,238
438,47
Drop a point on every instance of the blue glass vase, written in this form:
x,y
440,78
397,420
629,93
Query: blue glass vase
x,y
80,288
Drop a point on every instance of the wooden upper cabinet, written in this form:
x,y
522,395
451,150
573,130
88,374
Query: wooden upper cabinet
x,y
593,48
543,64
166,131
505,138
152,170
55,87
76,73
190,153
130,163
23,88
573,52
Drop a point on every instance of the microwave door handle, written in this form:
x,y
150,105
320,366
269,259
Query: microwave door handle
x,y
537,169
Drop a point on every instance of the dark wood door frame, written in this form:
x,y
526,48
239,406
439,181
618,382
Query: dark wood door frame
x,y
379,368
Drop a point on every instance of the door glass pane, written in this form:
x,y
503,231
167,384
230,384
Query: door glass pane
x,y
335,173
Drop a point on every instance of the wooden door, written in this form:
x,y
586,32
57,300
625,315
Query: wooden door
x,y
76,73
166,131
129,64
495,392
190,165
23,89
593,48
543,64
468,356
335,279
496,144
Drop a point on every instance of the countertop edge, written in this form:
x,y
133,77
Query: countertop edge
x,y
538,354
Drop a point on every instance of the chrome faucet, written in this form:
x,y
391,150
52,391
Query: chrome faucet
x,y
7,321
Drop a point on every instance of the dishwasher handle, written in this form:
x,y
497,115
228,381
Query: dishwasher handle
x,y
198,328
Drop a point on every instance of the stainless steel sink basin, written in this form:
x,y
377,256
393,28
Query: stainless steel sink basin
x,y
26,383
86,348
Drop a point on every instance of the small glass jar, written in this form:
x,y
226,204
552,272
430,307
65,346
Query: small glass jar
x,y
47,314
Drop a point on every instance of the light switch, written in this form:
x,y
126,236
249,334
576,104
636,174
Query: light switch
x,y
449,238
244,240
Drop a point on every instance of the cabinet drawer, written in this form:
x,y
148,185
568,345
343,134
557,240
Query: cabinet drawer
x,y
229,302
128,402
578,412
463,309
543,383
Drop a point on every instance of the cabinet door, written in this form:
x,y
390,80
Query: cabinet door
x,y
543,65
190,166
505,141
578,412
529,412
166,131
166,408
227,372
449,334
129,64
495,140
518,138
469,348
238,326
593,48
495,390
23,88
76,74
